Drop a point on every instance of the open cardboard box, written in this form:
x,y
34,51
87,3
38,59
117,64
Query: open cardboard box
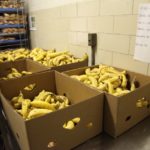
x,y
47,132
21,65
60,68
121,113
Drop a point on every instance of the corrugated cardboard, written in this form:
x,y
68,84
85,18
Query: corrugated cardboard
x,y
21,65
121,113
37,133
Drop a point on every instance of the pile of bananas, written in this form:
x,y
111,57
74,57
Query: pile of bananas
x,y
45,102
107,79
51,58
15,74
14,55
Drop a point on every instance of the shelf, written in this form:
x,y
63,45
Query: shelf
x,y
10,10
12,41
11,34
3,48
2,26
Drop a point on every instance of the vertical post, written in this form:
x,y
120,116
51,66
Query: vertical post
x,y
92,41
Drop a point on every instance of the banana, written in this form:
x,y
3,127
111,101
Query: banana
x,y
124,81
42,104
121,93
25,108
76,120
93,81
14,70
30,87
105,77
69,125
48,98
55,54
26,72
83,77
90,73
38,113
56,60
75,77
62,105
110,88
102,87
132,88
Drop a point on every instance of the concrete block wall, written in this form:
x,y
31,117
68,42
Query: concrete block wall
x,y
65,24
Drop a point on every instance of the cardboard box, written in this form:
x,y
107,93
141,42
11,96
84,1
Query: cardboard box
x,y
21,65
43,132
64,67
121,113
70,66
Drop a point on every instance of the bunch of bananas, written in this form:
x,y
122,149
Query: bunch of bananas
x,y
107,79
42,104
14,73
14,55
51,58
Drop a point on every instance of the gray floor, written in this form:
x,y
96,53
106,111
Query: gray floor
x,y
137,138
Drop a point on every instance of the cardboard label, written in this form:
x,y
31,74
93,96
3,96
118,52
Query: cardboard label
x,y
142,45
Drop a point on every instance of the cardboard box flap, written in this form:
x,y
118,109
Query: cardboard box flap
x,y
73,89
21,65
5,68
34,66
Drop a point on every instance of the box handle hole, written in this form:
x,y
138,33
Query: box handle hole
x,y
51,144
64,94
30,87
89,125
128,118
141,103
71,124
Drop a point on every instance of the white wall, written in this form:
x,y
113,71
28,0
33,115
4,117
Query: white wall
x,y
65,24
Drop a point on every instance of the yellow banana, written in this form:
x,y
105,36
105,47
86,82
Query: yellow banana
x,y
37,113
76,120
25,108
42,104
93,81
69,125
30,87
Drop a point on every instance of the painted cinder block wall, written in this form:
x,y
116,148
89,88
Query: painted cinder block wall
x,y
65,24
